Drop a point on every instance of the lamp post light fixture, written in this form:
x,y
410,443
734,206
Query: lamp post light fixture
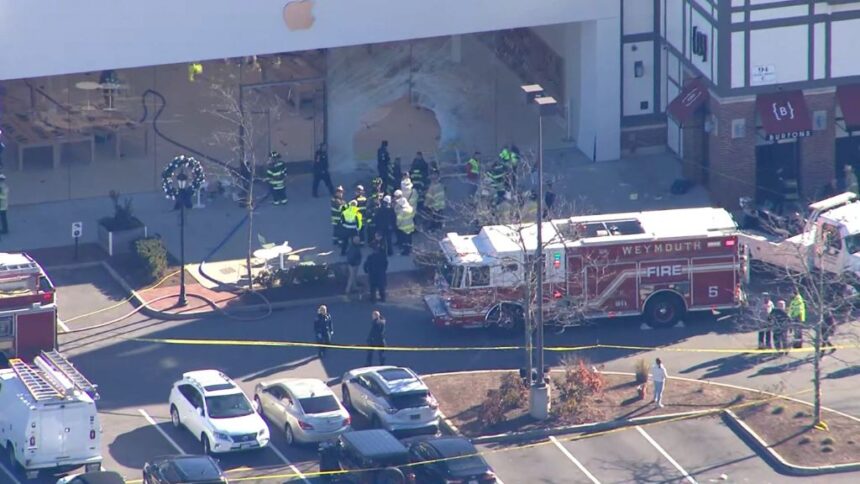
x,y
539,398
184,196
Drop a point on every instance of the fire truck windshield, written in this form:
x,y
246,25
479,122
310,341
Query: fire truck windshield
x,y
453,274
852,243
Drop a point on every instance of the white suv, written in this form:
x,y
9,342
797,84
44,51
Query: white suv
x,y
392,398
216,411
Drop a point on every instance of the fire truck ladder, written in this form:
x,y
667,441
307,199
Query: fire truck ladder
x,y
68,370
37,385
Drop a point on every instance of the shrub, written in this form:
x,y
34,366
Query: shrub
x,y
304,273
513,392
827,441
151,257
123,215
777,410
642,371
492,412
580,385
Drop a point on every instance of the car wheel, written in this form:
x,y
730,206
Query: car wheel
x,y
347,399
14,465
259,404
289,438
207,448
390,475
174,417
664,311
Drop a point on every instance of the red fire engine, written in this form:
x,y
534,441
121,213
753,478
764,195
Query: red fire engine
x,y
28,310
660,264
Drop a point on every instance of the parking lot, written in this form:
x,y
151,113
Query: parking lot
x,y
134,379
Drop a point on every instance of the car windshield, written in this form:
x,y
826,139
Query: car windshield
x,y
401,401
452,274
324,404
228,406
852,243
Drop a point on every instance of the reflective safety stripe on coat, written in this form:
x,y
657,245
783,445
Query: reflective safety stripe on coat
x,y
435,197
337,206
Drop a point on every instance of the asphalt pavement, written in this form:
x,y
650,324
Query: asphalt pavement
x,y
134,379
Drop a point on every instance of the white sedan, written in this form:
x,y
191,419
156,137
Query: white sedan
x,y
305,408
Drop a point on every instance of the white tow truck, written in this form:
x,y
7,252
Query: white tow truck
x,y
829,240
48,417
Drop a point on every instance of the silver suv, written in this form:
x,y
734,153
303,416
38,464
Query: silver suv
x,y
392,398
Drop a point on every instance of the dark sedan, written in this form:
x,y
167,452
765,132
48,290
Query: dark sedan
x,y
185,469
450,460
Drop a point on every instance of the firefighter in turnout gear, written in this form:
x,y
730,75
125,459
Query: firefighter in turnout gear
x,y
395,174
369,217
434,203
383,162
498,176
473,168
276,176
377,187
338,205
419,172
405,216
351,223
361,203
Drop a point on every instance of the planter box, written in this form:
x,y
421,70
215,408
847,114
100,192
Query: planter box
x,y
119,241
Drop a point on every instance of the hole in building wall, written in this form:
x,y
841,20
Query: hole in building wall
x,y
407,128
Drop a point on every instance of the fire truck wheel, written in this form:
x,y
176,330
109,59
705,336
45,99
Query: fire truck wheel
x,y
664,310
507,317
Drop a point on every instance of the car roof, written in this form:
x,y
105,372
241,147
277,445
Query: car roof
x,y
398,380
212,381
190,467
374,443
451,446
305,387
101,477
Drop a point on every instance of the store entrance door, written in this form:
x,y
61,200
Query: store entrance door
x,y
777,174
847,153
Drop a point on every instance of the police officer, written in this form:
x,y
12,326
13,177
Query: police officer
x,y
361,202
321,173
276,176
383,161
338,205
323,329
350,225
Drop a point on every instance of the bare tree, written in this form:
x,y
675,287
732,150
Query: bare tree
x,y
246,140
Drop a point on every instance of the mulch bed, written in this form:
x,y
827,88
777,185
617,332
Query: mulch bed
x,y
619,401
786,426
127,266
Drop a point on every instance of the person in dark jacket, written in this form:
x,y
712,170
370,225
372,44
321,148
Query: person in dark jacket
x,y
353,262
321,173
827,330
394,176
376,338
383,161
419,172
386,224
376,268
323,329
780,323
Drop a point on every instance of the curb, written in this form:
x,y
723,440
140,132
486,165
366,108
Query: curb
x,y
761,447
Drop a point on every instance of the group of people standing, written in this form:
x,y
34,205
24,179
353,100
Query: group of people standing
x,y
781,325
324,332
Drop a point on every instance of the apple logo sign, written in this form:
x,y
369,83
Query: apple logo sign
x,y
298,14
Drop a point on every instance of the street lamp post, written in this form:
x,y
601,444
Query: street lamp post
x,y
182,184
539,396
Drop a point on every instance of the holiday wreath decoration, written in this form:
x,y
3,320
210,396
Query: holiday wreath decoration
x,y
182,165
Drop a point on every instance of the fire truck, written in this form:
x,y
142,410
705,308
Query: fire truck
x,y
660,264
28,309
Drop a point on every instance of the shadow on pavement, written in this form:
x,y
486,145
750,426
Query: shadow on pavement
x,y
728,365
844,372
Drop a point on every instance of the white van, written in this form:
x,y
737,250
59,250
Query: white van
x,y
48,418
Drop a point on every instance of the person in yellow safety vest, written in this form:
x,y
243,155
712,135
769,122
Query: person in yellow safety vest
x,y
409,192
338,205
434,203
797,313
276,176
473,170
505,155
405,215
350,225
530,208
194,70
361,201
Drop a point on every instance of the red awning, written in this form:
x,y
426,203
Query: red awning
x,y
688,101
849,101
784,115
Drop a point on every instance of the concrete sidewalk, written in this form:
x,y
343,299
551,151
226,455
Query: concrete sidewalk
x,y
218,232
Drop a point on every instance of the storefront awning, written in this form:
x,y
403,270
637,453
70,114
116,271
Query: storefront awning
x,y
849,101
688,101
784,115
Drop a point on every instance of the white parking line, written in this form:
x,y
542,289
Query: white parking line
x,y
666,455
9,474
63,325
573,459
162,432
287,462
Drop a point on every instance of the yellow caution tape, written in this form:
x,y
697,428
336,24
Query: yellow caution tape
x,y
303,344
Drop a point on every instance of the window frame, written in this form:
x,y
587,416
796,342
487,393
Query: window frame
x,y
489,278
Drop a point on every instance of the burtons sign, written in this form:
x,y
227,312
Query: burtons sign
x,y
661,248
